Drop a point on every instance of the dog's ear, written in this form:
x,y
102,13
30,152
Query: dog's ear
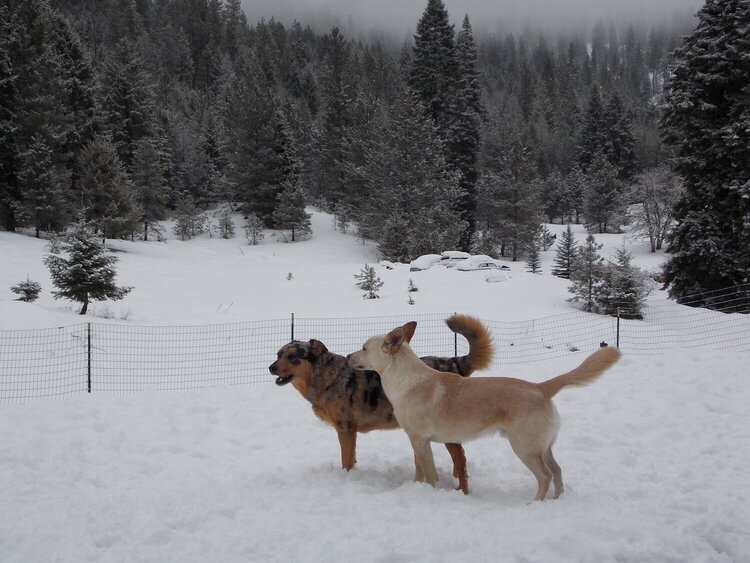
x,y
393,340
317,349
409,329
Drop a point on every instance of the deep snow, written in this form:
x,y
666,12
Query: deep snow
x,y
654,454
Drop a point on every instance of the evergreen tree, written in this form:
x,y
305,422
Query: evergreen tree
x,y
88,273
533,261
622,289
368,280
10,193
620,148
106,193
28,290
565,255
191,221
603,204
587,274
290,214
254,230
128,101
463,133
433,72
593,136
707,119
150,184
394,241
226,224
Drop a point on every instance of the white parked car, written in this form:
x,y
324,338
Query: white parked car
x,y
424,262
450,258
482,262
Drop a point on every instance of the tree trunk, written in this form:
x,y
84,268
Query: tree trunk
x,y
85,306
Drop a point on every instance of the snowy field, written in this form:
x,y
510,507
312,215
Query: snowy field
x,y
654,454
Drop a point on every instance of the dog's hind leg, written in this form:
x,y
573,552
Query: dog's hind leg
x,y
423,458
348,443
459,466
549,460
534,460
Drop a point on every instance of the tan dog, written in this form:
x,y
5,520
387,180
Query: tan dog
x,y
434,406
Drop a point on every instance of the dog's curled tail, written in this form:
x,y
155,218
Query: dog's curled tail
x,y
591,368
480,343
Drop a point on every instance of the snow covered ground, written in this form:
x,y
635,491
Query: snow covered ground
x,y
654,454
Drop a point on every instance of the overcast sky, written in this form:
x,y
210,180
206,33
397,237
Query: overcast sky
x,y
400,16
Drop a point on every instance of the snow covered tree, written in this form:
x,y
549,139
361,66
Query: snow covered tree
x,y
88,273
533,261
565,255
151,187
254,230
290,214
394,241
106,193
622,288
707,120
191,221
654,193
226,224
587,274
368,280
603,203
28,290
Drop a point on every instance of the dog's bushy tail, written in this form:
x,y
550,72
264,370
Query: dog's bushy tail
x,y
480,347
591,368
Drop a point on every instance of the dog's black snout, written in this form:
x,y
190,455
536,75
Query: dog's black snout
x,y
272,368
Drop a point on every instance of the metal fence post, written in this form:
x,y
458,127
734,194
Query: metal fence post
x,y
88,352
618,327
455,342
292,326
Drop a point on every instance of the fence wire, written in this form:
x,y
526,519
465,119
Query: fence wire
x,y
113,359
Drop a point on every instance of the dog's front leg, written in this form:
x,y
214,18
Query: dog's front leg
x,y
418,473
423,459
348,443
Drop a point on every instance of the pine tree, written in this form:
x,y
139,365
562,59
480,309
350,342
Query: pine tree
x,y
567,250
128,101
290,214
191,221
533,261
587,274
707,119
254,230
106,193
28,290
394,241
622,289
603,203
433,72
368,280
226,224
88,273
150,184
620,148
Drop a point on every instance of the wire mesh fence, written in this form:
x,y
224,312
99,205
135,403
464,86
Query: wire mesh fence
x,y
113,359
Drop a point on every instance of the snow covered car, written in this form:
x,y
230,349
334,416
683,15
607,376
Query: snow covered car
x,y
450,258
482,262
424,262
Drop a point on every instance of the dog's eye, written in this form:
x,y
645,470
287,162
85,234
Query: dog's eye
x,y
291,357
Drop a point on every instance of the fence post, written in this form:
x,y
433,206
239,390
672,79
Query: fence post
x,y
618,327
292,326
88,353
455,342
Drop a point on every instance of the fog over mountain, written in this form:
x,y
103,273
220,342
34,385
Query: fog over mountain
x,y
398,17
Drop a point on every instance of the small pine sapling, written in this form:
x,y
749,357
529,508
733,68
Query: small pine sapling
x,y
368,280
533,262
410,301
412,288
254,230
28,290
226,225
289,276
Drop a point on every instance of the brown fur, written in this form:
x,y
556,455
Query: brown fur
x,y
353,401
434,406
